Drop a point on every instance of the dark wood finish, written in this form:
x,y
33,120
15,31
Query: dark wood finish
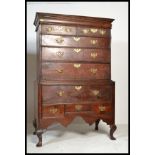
x,y
73,71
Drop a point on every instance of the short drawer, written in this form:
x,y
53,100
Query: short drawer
x,y
66,41
77,107
76,94
76,54
74,71
52,111
92,31
58,29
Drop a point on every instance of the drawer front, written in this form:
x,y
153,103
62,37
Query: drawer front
x,y
101,108
61,94
74,71
50,40
52,111
77,107
76,94
58,29
96,32
76,54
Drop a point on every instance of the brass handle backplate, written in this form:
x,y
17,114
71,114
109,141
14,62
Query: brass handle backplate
x,y
67,29
93,55
85,31
93,70
102,108
77,65
53,110
78,107
60,40
78,88
59,70
49,29
93,30
59,53
76,38
77,50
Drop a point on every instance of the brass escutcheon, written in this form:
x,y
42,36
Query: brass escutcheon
x,y
93,55
93,42
93,30
60,40
67,29
76,38
78,107
53,110
95,92
102,108
77,65
102,32
78,88
60,93
93,70
77,50
85,31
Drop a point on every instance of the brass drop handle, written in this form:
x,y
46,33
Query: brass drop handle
x,y
93,42
95,92
93,30
102,32
76,38
60,40
59,70
59,53
93,70
60,93
93,55
102,108
78,107
77,65
53,110
77,50
78,88
85,31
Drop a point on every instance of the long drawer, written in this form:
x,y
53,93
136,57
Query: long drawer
x,y
76,54
74,71
72,30
66,41
76,94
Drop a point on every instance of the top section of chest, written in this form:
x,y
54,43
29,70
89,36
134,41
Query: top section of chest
x,y
73,25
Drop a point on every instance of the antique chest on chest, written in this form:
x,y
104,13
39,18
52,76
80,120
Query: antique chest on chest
x,y
73,71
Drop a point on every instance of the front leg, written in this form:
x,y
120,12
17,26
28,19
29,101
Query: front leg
x,y
39,135
96,124
113,127
35,126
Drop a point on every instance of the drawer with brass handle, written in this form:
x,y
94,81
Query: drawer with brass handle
x,y
72,71
96,32
76,54
66,41
58,29
52,111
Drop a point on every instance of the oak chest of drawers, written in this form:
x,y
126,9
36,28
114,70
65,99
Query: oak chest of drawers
x,y
73,71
